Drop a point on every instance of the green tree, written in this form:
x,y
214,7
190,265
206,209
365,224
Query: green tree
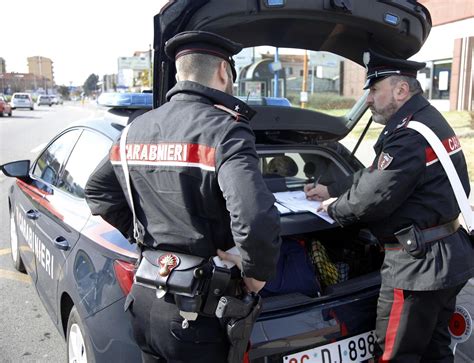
x,y
64,92
145,78
90,85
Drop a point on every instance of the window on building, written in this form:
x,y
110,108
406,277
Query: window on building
x,y
441,80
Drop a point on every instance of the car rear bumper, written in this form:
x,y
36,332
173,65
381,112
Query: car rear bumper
x,y
278,334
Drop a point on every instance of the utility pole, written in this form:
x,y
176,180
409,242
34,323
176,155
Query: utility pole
x,y
304,94
150,68
275,77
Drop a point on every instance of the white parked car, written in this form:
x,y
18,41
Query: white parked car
x,y
22,100
56,99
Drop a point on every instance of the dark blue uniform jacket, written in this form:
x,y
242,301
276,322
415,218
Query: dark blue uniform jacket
x,y
405,185
196,181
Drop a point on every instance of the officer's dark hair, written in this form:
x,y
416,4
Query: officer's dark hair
x,y
413,84
197,67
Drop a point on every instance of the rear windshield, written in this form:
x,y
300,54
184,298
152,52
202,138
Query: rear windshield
x,y
22,97
308,79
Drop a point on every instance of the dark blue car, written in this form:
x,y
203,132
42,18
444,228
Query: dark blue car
x,y
83,268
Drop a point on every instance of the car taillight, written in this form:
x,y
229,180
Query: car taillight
x,y
124,272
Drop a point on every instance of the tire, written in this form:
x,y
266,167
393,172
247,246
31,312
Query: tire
x,y
14,245
10,114
78,344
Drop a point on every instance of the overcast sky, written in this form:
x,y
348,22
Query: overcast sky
x,y
80,37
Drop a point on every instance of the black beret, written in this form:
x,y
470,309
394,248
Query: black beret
x,y
203,42
380,66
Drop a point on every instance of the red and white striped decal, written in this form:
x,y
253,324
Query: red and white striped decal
x,y
452,146
167,154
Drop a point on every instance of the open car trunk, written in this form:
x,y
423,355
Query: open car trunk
x,y
353,251
343,301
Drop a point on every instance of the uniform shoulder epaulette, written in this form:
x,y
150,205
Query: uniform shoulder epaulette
x,y
233,113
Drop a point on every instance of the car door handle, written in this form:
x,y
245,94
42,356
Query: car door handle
x,y
61,243
32,214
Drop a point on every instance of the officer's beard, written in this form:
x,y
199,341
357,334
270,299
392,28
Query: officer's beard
x,y
382,115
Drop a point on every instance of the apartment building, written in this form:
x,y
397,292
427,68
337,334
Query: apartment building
x,y
41,67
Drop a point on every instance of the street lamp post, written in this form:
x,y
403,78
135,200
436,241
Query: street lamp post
x,y
150,70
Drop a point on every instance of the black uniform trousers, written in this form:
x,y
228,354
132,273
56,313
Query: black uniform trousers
x,y
157,328
412,326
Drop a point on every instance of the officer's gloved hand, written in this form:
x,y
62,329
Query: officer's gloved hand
x,y
251,284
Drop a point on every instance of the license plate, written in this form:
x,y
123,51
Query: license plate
x,y
355,349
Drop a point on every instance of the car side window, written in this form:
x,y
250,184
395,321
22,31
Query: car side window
x,y
91,148
48,165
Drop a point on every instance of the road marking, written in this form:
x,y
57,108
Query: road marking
x,y
5,251
17,276
38,148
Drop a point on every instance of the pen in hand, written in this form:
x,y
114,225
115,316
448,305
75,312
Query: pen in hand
x,y
316,181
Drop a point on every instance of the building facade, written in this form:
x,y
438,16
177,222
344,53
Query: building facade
x,y
23,82
41,67
448,78
3,66
109,83
134,73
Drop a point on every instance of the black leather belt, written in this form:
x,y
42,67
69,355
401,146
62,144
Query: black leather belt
x,y
440,232
430,234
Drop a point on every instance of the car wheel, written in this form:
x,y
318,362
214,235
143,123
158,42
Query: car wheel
x,y
32,108
14,245
78,346
10,114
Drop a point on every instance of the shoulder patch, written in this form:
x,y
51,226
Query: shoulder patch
x,y
384,161
233,113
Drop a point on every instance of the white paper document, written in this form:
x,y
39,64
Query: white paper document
x,y
282,209
296,202
224,263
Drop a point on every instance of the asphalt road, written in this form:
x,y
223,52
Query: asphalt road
x,y
26,331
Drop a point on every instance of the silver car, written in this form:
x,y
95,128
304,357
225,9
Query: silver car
x,y
44,100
